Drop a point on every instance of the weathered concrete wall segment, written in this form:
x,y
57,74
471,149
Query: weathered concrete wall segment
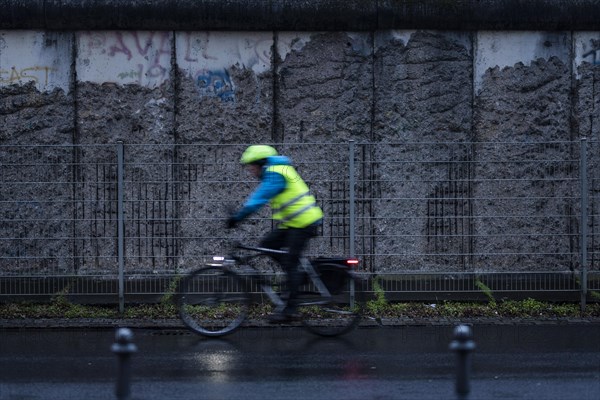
x,y
387,87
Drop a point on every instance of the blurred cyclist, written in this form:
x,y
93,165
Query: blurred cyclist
x,y
295,212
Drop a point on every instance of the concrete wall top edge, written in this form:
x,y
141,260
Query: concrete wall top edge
x,y
299,15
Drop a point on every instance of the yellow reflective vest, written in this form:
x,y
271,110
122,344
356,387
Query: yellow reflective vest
x,y
295,207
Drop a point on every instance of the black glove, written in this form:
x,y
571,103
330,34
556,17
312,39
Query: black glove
x,y
231,222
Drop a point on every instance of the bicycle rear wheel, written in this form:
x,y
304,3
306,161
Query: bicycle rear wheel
x,y
213,301
338,314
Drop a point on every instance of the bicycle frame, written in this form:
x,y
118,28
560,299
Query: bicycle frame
x,y
305,266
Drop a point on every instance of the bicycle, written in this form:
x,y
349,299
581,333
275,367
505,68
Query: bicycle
x,y
214,300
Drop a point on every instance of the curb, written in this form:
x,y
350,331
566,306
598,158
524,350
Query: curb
x,y
108,323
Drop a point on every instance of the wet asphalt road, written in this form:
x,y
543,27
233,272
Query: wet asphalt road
x,y
510,362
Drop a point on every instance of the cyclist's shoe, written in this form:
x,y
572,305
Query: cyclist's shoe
x,y
287,315
278,318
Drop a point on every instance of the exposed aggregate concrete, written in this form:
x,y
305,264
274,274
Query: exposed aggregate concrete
x,y
405,101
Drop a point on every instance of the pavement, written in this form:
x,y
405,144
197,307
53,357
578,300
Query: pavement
x,y
408,362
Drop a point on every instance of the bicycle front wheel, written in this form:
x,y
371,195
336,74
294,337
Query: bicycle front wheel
x,y
342,311
213,301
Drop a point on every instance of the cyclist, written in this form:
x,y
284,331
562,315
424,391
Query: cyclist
x,y
295,213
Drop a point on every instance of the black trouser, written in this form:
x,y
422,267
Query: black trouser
x,y
294,240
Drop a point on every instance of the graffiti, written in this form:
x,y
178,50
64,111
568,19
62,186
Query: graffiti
x,y
188,48
595,54
130,57
216,84
38,74
252,52
208,56
131,74
161,46
155,71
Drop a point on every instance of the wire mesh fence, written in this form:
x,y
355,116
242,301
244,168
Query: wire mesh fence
x,y
79,217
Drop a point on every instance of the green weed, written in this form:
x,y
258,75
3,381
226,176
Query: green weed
x,y
377,306
486,291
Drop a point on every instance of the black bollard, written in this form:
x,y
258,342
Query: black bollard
x,y
463,344
124,348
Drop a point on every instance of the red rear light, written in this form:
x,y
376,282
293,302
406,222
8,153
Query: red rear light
x,y
353,262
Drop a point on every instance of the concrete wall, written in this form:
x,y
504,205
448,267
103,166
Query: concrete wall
x,y
233,87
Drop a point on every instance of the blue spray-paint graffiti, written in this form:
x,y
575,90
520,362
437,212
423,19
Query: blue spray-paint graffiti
x,y
595,52
216,84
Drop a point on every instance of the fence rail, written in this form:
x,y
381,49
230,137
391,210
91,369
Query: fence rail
x,y
89,214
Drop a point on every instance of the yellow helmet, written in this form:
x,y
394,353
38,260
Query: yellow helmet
x,y
257,152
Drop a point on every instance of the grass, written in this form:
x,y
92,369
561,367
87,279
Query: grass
x,y
528,308
60,307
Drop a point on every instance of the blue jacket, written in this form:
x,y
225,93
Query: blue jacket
x,y
271,184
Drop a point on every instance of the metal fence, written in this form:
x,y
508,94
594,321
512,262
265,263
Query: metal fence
x,y
425,217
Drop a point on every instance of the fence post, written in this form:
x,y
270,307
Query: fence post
x,y
120,226
584,220
351,224
351,207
